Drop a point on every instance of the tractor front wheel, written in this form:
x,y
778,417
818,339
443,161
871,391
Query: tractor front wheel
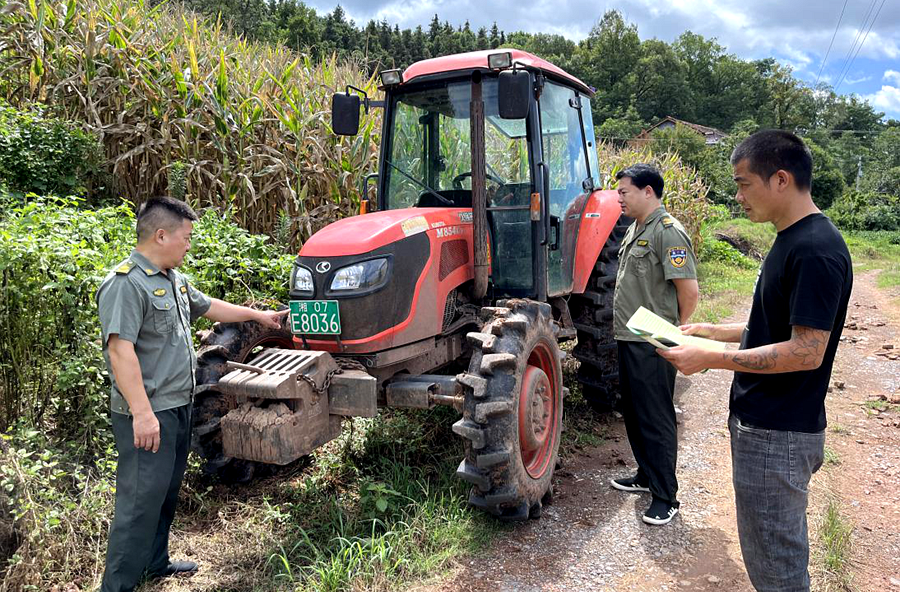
x,y
512,413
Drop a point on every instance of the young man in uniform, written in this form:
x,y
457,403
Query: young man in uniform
x,y
657,270
146,309
783,366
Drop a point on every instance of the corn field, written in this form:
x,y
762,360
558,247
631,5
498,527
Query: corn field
x,y
684,195
246,124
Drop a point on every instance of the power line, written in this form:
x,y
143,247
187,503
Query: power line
x,y
874,19
859,33
836,27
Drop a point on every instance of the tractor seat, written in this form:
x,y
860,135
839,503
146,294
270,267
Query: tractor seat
x,y
461,198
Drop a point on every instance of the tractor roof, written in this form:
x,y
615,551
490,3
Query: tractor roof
x,y
477,60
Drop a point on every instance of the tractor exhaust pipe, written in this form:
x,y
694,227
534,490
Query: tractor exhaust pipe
x,y
479,196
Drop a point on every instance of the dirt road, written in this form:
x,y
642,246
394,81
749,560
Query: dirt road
x,y
592,538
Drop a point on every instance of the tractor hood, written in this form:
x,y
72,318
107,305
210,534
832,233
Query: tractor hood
x,y
362,234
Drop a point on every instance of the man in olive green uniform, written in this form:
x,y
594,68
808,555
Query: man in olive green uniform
x,y
146,309
657,270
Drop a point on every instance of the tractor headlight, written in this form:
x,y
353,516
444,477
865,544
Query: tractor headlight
x,y
302,280
365,275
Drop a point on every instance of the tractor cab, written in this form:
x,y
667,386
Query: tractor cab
x,y
504,131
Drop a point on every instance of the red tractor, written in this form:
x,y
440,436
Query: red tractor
x,y
488,245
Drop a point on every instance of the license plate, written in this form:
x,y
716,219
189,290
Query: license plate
x,y
315,317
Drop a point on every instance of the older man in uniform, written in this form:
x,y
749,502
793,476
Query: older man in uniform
x,y
657,270
146,309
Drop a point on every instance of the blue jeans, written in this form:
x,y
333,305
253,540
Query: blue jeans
x,y
771,471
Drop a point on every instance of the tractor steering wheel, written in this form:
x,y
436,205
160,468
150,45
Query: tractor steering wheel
x,y
458,179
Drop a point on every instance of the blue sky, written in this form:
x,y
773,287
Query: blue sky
x,y
796,32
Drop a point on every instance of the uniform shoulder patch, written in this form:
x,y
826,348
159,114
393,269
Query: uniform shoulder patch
x,y
667,221
125,267
159,292
678,256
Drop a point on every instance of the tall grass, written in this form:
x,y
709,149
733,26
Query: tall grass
x,y
249,121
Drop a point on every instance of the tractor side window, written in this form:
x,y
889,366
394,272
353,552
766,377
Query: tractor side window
x,y
588,122
563,144
407,155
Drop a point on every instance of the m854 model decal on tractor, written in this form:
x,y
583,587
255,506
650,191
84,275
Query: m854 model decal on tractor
x,y
486,247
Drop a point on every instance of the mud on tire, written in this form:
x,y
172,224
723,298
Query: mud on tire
x,y
592,313
512,415
235,342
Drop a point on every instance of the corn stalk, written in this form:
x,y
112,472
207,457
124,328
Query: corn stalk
x,y
250,122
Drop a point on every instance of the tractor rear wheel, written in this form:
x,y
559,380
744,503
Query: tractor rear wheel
x,y
226,342
592,313
512,414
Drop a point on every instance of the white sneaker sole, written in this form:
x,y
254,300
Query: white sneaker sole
x,y
632,489
659,521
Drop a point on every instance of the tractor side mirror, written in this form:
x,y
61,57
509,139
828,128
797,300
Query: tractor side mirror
x,y
514,94
345,114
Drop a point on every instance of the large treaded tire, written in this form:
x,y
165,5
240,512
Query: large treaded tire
x,y
235,342
592,313
512,414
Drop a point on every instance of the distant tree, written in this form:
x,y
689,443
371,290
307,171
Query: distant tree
x,y
302,28
882,172
828,182
607,60
495,36
620,128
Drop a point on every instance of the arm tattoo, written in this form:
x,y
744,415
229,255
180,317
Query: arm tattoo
x,y
763,361
808,346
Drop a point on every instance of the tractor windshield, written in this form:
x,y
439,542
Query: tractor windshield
x,y
429,159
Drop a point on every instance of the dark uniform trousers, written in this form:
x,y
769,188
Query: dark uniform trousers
x,y
147,487
647,385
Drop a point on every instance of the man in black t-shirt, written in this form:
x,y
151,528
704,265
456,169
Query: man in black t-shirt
x,y
784,363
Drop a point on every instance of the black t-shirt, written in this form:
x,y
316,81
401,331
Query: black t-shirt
x,y
805,281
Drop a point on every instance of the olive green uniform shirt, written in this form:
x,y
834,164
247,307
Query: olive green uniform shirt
x,y
154,311
652,254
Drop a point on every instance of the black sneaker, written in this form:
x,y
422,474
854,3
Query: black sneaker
x,y
630,484
660,512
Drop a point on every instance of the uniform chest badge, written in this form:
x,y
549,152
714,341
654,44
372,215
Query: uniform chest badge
x,y
678,256
642,243
160,292
184,289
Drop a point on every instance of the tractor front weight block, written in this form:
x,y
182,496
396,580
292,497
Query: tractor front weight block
x,y
284,404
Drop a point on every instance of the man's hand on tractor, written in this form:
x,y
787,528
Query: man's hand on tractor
x,y
271,318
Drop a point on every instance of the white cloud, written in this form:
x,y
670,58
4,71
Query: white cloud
x,y
890,75
887,99
852,81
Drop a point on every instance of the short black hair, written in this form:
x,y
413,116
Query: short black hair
x,y
770,151
643,174
162,212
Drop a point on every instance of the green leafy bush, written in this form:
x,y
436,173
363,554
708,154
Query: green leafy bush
x,y
53,256
858,210
56,455
718,250
42,154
